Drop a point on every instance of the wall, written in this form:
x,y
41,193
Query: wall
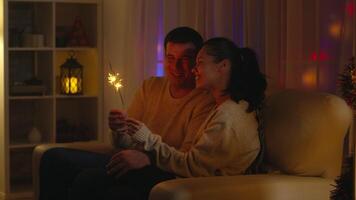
x,y
3,139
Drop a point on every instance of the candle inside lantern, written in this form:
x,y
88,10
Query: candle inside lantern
x,y
66,85
73,85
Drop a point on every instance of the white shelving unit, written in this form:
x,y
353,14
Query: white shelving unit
x,y
58,117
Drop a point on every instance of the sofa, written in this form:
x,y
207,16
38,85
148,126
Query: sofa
x,y
304,137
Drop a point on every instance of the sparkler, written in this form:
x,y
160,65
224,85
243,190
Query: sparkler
x,y
115,80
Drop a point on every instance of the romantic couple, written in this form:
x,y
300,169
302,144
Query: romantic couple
x,y
199,120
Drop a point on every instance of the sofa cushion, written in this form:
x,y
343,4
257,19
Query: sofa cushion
x,y
304,132
250,187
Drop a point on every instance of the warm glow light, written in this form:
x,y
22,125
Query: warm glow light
x,y
353,76
66,85
309,78
350,8
322,56
335,29
314,56
115,80
73,85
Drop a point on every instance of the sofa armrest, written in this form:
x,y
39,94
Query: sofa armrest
x,y
251,187
93,146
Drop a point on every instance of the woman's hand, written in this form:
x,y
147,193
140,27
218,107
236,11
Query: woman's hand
x,y
133,126
117,121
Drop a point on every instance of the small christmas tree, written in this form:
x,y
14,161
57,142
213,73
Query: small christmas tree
x,y
344,188
348,83
344,183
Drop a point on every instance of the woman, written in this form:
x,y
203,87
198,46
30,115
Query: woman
x,y
226,144
228,141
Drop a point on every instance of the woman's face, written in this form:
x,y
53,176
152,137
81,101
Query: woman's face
x,y
207,73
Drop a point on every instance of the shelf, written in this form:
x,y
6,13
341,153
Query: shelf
x,y
59,1
23,146
24,66
26,114
30,97
41,34
30,24
76,97
24,193
51,48
30,49
79,15
78,1
75,49
31,1
76,120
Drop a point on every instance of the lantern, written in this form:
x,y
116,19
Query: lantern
x,y
71,77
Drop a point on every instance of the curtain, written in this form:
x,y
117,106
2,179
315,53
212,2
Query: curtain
x,y
211,18
130,42
301,44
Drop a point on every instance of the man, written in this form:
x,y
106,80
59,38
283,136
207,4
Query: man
x,y
170,106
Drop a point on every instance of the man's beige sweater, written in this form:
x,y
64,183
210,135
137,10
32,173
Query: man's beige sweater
x,y
226,144
175,120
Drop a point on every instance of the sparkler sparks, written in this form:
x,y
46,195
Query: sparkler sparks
x,y
115,80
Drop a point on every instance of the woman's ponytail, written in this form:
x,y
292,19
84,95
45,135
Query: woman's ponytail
x,y
246,81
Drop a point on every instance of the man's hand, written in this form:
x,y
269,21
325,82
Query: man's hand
x,y
126,160
117,121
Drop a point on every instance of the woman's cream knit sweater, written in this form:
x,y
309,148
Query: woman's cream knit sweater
x,y
226,144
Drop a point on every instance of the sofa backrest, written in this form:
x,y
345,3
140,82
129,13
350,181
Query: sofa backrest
x,y
304,132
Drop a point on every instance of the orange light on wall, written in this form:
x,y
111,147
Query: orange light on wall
x,y
335,29
309,78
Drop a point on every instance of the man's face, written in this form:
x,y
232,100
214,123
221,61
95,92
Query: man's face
x,y
178,62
